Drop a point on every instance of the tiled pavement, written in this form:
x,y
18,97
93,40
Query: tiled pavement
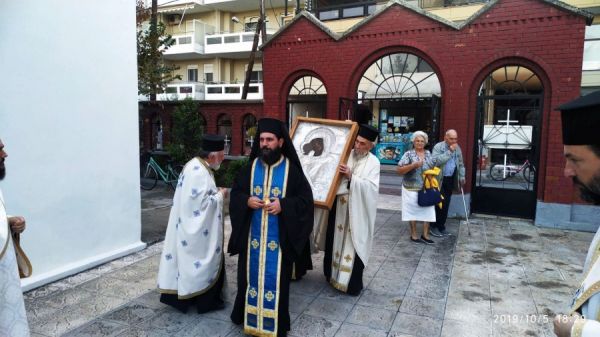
x,y
507,278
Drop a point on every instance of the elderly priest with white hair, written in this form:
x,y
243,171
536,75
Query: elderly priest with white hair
x,y
350,224
191,271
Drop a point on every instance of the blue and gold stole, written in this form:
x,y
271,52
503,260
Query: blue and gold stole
x,y
264,253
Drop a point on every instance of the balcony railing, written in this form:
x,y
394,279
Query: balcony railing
x,y
232,91
181,91
231,42
189,43
211,92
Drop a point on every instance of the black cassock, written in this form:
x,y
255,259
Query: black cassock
x,y
295,225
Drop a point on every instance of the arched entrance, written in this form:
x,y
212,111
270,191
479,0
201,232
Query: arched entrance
x,y
403,92
224,129
248,133
509,113
307,98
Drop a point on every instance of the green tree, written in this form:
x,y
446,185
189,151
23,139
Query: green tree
x,y
153,73
186,132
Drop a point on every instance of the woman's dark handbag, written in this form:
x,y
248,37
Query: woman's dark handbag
x,y
429,197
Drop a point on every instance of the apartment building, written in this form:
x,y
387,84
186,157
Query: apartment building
x,y
213,45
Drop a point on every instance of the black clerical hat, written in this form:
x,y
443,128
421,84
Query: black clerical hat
x,y
581,120
272,125
368,132
213,143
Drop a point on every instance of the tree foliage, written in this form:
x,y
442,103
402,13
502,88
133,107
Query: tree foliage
x,y
153,73
186,132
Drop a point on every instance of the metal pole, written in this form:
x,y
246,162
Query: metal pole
x,y
466,211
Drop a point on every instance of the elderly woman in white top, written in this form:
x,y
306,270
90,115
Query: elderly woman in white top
x,y
412,165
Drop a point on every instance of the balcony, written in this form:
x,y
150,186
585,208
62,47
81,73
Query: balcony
x,y
223,92
181,91
232,45
199,91
189,43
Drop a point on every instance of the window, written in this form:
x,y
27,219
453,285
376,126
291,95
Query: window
x,y
591,48
193,75
256,76
208,73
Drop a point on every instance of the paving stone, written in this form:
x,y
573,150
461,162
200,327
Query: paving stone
x,y
310,285
429,287
132,313
206,327
74,316
375,318
98,328
130,274
237,331
69,297
391,272
518,327
329,309
38,310
222,315
475,328
397,286
168,320
151,299
299,303
468,308
423,307
310,326
371,298
352,330
416,325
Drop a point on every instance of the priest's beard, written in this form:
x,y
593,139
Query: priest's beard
x,y
270,156
359,155
591,192
215,166
2,170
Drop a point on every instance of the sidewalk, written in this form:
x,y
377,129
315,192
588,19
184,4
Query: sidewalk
x,y
507,278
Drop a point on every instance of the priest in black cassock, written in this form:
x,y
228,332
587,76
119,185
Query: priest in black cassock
x,y
271,210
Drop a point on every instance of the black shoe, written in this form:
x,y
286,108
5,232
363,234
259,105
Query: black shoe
x,y
435,232
416,240
426,241
445,233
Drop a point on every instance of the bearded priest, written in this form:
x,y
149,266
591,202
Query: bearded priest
x,y
351,221
191,271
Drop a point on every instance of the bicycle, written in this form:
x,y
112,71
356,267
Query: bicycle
x,y
153,171
501,172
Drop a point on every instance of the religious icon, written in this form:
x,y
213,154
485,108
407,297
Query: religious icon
x,y
322,145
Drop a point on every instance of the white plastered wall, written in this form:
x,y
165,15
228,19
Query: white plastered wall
x,y
69,121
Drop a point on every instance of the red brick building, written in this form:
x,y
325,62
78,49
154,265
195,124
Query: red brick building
x,y
530,50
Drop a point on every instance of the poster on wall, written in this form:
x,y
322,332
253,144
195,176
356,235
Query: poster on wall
x,y
389,153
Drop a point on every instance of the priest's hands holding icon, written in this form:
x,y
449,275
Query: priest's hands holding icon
x,y
346,171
